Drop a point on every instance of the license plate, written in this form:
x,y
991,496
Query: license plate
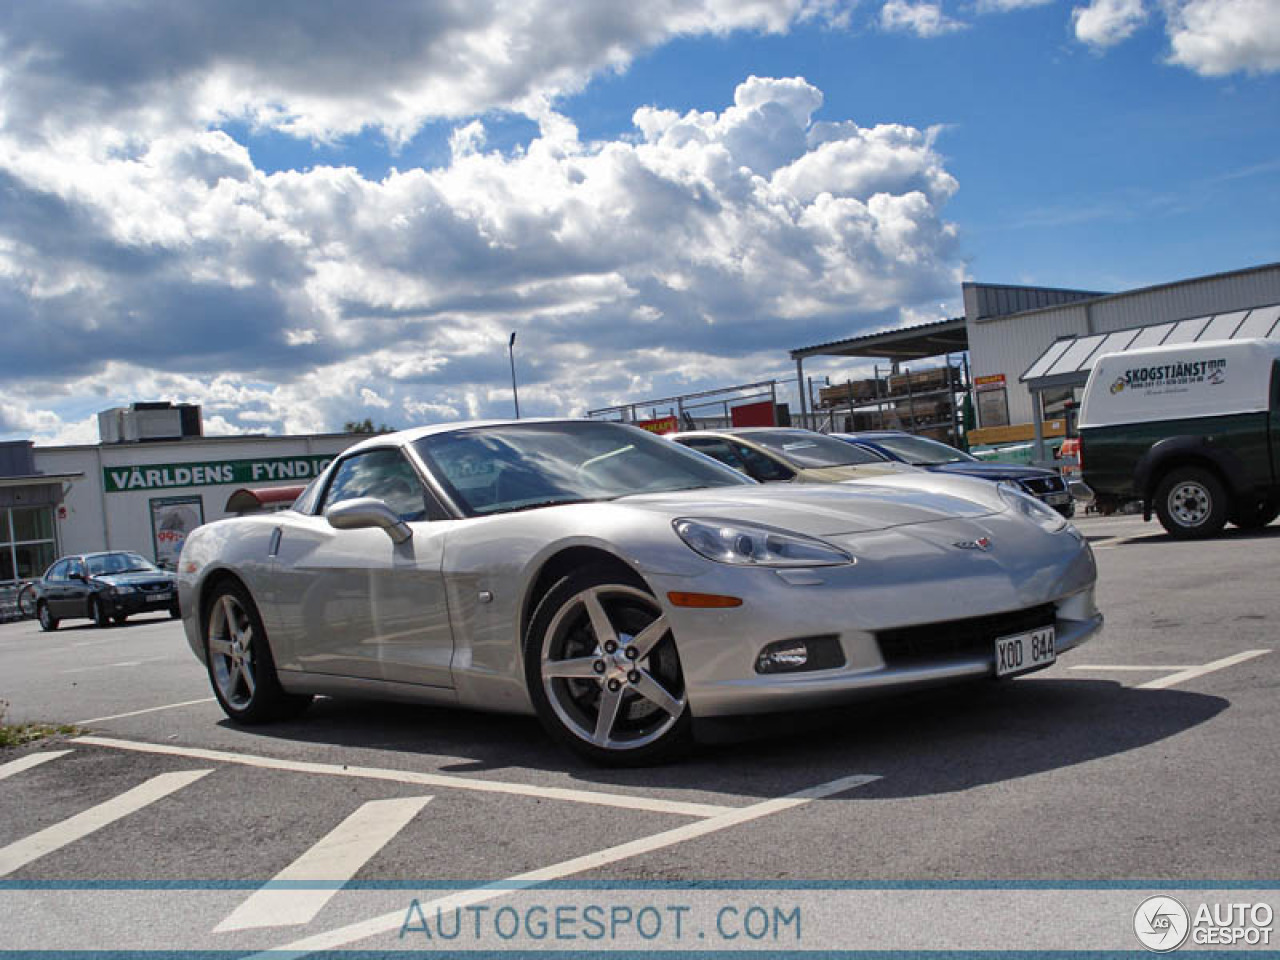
x,y
1056,498
158,597
1025,651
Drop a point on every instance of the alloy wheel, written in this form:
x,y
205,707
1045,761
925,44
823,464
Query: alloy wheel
x,y
610,670
232,652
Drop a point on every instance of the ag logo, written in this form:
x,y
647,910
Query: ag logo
x,y
1118,385
1161,923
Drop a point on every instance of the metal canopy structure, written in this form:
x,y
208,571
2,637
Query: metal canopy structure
x,y
902,344
1068,361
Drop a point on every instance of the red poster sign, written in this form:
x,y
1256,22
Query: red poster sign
x,y
754,414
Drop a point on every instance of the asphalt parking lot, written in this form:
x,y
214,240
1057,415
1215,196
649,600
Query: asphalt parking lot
x,y
1148,754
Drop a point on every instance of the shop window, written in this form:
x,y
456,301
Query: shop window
x,y
27,542
32,524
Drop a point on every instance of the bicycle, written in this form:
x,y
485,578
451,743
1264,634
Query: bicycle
x,y
27,599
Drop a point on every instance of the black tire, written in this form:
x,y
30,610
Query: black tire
x,y
175,613
121,617
651,721
238,659
48,622
1256,515
98,614
1191,503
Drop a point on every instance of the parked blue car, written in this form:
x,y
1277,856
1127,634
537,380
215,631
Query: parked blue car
x,y
901,447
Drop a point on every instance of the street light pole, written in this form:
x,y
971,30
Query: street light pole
x,y
511,351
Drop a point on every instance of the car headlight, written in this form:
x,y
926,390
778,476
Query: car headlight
x,y
755,545
120,590
1025,505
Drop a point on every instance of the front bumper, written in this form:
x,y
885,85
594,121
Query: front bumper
x,y
129,604
913,578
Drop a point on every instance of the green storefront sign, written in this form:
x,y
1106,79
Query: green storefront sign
x,y
203,473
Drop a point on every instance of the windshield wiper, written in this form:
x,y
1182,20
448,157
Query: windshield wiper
x,y
544,503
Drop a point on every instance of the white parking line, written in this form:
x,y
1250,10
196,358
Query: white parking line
x,y
352,933
1140,668
1180,674
620,800
122,663
333,861
22,852
30,760
138,713
1192,672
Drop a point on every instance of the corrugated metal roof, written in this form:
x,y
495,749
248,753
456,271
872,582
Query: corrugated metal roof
x,y
1068,360
986,300
907,343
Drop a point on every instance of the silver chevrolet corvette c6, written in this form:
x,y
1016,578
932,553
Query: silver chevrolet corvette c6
x,y
620,586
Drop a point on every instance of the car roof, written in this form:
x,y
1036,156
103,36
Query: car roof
x,y
873,434
414,434
737,432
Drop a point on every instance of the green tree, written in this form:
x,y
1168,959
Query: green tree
x,y
366,426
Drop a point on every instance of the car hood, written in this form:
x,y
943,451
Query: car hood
x,y
132,579
831,510
992,470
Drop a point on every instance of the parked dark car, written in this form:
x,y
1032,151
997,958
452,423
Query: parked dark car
x,y
1046,485
104,587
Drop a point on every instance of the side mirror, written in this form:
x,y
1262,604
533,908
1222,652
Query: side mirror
x,y
364,512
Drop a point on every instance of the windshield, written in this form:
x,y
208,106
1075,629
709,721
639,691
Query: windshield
x,y
803,448
496,469
109,563
921,451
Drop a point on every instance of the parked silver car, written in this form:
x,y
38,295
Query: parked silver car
x,y
620,586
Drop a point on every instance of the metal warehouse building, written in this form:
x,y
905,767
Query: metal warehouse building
x,y
1006,339
1019,378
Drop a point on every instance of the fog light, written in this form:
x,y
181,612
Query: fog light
x,y
781,657
801,654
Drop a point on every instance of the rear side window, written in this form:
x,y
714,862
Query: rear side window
x,y
762,468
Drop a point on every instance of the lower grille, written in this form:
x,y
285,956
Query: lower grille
x,y
958,639
1042,485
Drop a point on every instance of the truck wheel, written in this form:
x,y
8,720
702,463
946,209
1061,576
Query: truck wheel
x,y
1255,516
1191,503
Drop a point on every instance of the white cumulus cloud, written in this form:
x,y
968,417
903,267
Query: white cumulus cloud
x,y
1104,23
1218,37
920,17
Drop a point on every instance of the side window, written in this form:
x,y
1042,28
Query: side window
x,y
74,568
763,468
58,571
384,474
720,449
306,501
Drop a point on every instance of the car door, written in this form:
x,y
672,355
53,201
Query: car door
x,y
353,602
74,600
54,587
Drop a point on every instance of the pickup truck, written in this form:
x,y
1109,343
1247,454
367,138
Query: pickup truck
x,y
1191,430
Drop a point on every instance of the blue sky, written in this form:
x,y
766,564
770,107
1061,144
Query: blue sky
x,y
610,181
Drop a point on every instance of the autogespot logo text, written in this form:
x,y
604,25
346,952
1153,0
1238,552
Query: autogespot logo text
x,y
1161,923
